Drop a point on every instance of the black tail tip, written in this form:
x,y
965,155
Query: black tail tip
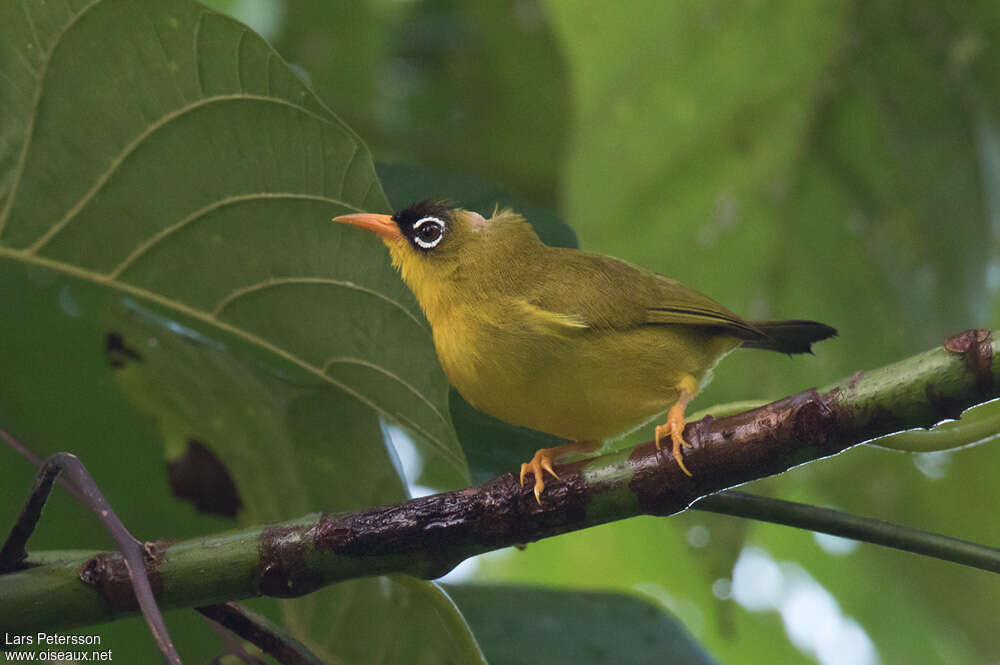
x,y
790,336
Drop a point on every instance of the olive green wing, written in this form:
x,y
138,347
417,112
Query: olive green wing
x,y
599,292
676,304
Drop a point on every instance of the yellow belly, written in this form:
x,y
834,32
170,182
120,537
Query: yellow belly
x,y
584,385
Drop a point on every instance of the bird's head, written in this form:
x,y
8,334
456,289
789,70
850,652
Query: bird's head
x,y
431,243
427,231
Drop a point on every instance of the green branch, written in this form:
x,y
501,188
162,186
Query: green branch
x,y
426,537
845,525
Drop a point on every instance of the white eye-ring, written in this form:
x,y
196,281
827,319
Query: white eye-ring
x,y
428,231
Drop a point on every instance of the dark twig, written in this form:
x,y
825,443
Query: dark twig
x,y
845,525
233,645
258,630
87,491
13,552
29,455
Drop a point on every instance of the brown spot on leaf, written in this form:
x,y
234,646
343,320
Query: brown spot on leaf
x,y
201,478
117,352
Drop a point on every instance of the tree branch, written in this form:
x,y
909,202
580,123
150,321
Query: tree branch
x,y
426,537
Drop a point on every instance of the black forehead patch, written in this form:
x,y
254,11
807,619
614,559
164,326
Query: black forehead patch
x,y
407,217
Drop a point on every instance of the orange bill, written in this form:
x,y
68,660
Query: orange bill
x,y
380,224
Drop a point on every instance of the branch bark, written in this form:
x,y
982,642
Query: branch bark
x,y
426,537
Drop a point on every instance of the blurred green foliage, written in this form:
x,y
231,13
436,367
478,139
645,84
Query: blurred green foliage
x,y
830,160
440,83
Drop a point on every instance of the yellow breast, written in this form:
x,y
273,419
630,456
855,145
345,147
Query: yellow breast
x,y
580,384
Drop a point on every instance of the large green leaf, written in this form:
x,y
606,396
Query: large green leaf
x,y
170,197
291,448
393,619
188,167
520,625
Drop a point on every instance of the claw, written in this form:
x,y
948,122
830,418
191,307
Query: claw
x,y
675,428
678,439
539,464
547,465
543,459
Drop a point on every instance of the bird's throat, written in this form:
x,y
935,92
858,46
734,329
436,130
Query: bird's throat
x,y
428,281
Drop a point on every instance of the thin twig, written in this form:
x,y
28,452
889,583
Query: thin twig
x,y
258,630
87,491
233,646
845,525
14,552
30,455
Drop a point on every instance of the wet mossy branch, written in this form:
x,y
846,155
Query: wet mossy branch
x,y
426,537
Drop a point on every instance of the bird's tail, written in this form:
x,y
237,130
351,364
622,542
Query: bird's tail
x,y
788,336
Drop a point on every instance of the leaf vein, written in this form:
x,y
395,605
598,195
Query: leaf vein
x,y
347,169
196,37
119,159
166,59
336,360
166,231
31,25
26,61
282,281
30,129
239,57
267,70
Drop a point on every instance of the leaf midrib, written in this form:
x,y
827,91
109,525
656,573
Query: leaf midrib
x,y
28,258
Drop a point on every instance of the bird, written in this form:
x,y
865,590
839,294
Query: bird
x,y
582,346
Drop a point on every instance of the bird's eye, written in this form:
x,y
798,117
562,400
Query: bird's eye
x,y
427,232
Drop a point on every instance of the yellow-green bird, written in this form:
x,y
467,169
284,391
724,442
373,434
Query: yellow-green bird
x,y
582,346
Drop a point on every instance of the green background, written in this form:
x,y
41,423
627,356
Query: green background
x,y
830,160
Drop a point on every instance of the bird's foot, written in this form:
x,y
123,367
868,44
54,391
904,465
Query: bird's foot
x,y
539,464
675,428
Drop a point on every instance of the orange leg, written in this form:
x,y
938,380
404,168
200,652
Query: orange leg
x,y
675,420
544,457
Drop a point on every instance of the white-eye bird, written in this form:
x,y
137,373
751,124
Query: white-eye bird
x,y
581,346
